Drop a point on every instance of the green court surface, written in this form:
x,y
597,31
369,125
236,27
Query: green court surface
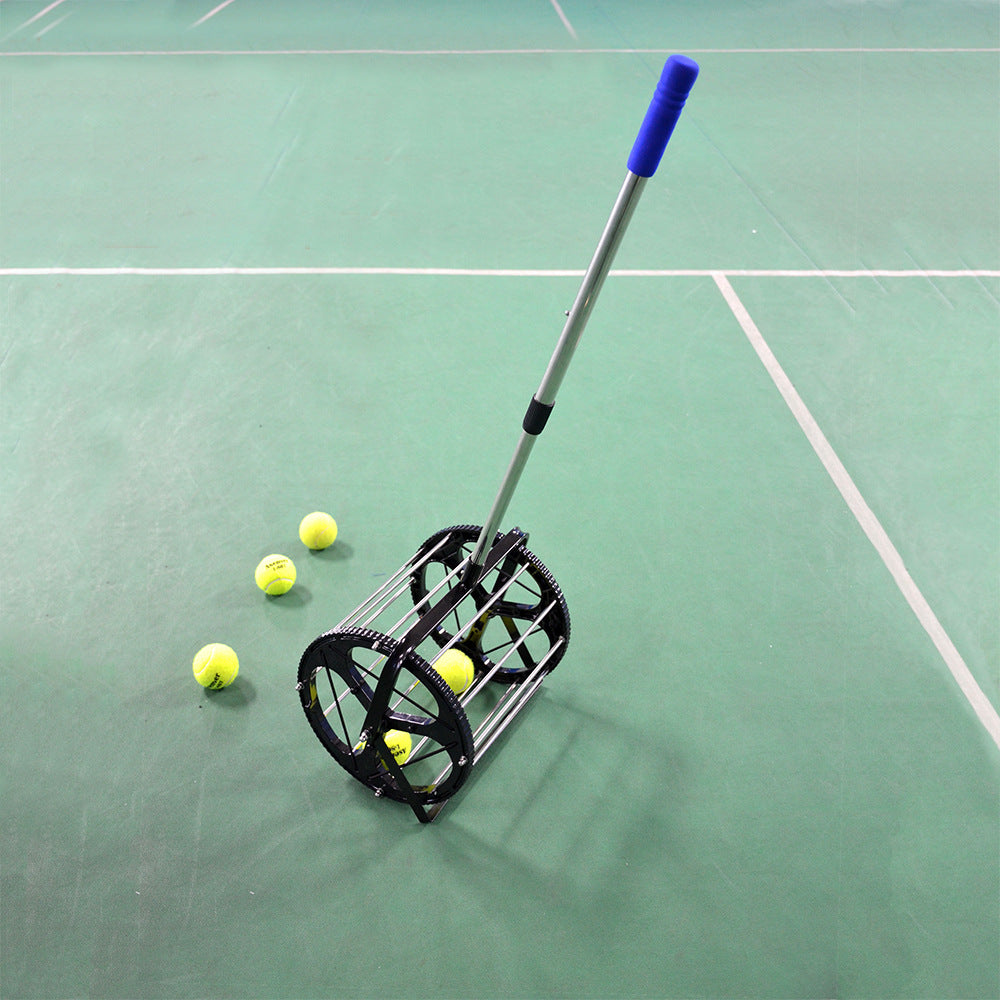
x,y
261,258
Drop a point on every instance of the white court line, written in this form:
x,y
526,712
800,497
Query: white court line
x,y
865,517
565,20
53,24
813,273
31,20
42,13
482,272
211,13
841,478
51,53
212,272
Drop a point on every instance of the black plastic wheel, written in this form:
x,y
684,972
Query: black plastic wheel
x,y
502,626
338,678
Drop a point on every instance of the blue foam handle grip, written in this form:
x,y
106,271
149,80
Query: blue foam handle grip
x,y
665,108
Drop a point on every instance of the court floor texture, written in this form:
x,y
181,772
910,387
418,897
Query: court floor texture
x,y
260,258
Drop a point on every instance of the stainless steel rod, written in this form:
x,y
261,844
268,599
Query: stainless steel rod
x,y
407,568
507,706
431,593
591,286
494,598
519,642
593,280
496,722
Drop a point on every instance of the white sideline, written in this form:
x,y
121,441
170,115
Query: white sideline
x,y
864,515
211,13
565,20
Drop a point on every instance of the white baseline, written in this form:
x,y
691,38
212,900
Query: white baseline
x,y
484,272
136,53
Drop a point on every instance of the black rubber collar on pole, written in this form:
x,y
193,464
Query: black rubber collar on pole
x,y
536,417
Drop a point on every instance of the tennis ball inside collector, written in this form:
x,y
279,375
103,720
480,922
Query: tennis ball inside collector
x,y
400,744
456,668
215,666
318,530
275,574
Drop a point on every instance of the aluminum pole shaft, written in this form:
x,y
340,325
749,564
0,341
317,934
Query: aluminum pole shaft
x,y
544,398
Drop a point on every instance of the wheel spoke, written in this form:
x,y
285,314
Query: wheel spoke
x,y
352,661
523,601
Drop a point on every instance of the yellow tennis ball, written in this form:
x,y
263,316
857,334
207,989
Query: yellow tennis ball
x,y
318,530
275,574
400,744
215,666
456,668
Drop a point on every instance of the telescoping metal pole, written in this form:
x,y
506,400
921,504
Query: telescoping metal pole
x,y
665,108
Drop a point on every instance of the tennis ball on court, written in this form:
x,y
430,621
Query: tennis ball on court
x,y
275,574
215,666
400,744
318,530
456,668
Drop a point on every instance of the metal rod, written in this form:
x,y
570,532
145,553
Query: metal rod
x,y
499,712
431,593
531,687
518,643
494,598
522,691
496,723
372,613
593,280
407,568
475,689
366,605
457,637
370,671
591,286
